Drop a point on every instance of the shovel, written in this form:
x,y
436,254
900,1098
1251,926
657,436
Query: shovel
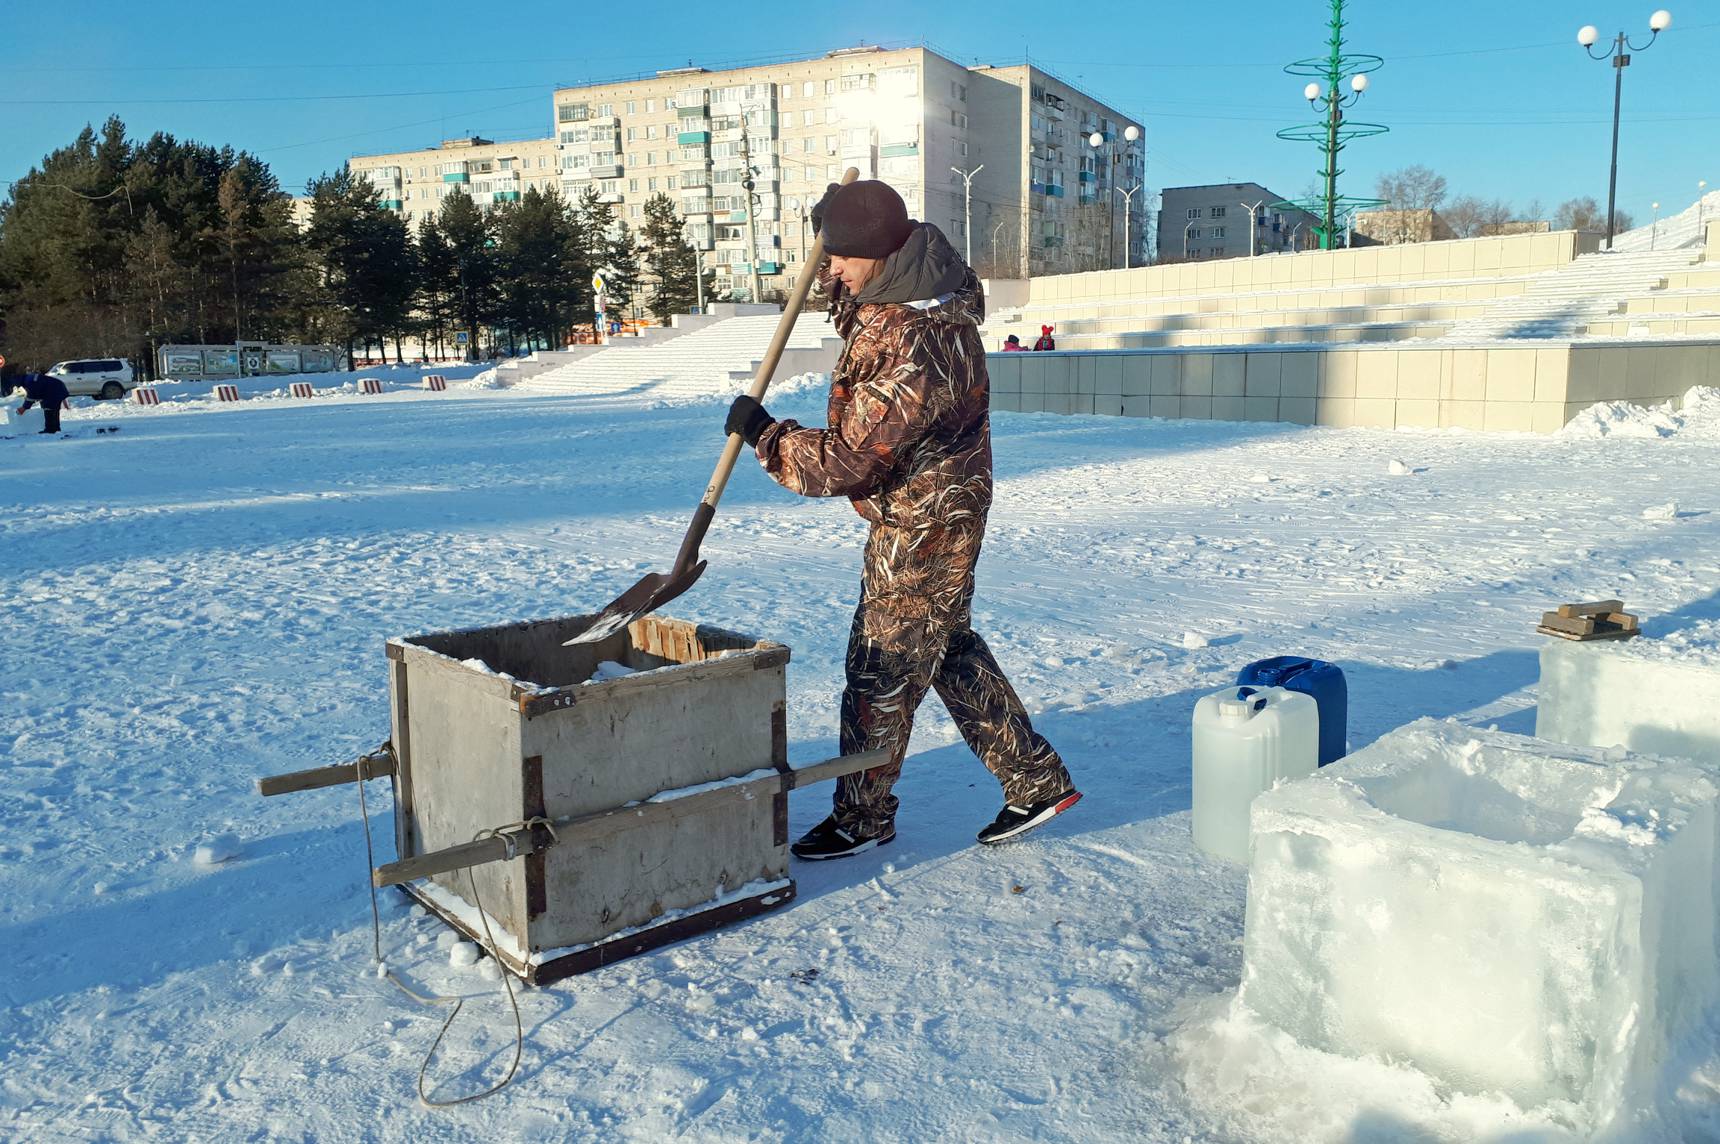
x,y
658,588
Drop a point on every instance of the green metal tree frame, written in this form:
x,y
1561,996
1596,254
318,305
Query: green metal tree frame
x,y
1333,131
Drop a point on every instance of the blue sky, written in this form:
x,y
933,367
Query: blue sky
x,y
1496,96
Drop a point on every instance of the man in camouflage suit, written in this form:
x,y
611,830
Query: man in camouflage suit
x,y
909,444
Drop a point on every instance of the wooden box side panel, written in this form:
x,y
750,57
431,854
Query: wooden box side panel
x,y
625,741
465,775
626,880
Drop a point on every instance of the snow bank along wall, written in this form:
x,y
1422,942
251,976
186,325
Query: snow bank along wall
x,y
1362,339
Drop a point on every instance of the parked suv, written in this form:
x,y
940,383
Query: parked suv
x,y
109,378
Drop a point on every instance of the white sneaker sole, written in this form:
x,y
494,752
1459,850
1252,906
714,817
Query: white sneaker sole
x,y
1042,817
869,844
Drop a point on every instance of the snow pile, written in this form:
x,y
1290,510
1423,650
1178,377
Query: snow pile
x,y
1676,230
1698,415
215,850
1525,924
488,379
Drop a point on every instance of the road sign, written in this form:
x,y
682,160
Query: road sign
x,y
461,337
597,283
2,359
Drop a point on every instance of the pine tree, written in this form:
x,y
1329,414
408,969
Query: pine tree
x,y
471,242
673,263
436,285
538,249
621,279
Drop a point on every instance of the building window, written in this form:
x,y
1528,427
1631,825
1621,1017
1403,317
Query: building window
x,y
650,106
960,147
630,107
958,119
830,115
671,182
606,110
787,91
633,186
1218,232
634,211
808,145
1194,212
650,131
807,117
829,87
807,89
1194,232
1217,212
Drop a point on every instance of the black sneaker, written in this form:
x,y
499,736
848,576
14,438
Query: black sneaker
x,y
828,840
1014,821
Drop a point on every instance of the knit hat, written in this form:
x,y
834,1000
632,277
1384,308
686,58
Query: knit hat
x,y
865,219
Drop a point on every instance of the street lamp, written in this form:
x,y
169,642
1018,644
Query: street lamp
x,y
967,210
1619,53
1654,227
1335,102
799,209
698,265
1701,190
1096,140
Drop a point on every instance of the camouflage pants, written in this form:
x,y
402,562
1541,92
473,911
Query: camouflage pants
x,y
911,632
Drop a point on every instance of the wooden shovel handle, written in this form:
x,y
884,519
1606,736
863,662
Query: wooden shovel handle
x,y
761,381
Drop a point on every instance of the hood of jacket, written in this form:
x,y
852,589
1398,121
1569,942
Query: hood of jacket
x,y
924,268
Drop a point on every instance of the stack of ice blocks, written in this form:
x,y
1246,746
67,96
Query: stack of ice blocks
x,y
1505,914
1660,696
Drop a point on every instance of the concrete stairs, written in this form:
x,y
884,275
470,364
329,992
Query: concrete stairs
x,y
1561,303
718,359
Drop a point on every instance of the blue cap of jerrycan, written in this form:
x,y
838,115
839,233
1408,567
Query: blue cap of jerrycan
x,y
1321,681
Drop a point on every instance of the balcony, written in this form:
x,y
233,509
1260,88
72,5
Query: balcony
x,y
898,150
393,204
505,197
610,171
611,197
456,177
693,138
1089,176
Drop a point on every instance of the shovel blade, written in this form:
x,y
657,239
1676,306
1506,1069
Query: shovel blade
x,y
643,598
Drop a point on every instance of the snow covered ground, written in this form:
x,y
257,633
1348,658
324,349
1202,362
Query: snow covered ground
x,y
200,600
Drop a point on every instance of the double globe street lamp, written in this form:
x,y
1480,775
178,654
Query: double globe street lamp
x,y
1619,53
1097,141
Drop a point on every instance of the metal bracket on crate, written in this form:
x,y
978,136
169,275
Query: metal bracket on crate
x,y
530,838
1596,620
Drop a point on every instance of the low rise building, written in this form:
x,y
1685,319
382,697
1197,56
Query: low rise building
x,y
1229,220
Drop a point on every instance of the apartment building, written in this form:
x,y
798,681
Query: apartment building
x,y
1215,221
414,183
1042,198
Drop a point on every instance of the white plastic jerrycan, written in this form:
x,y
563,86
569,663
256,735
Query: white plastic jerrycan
x,y
1246,739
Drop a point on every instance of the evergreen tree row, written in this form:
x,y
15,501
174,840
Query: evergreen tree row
x,y
113,247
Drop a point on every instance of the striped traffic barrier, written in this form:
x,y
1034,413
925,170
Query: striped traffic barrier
x,y
302,389
435,383
146,395
226,393
370,385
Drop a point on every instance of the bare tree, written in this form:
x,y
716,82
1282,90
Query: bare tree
x,y
1411,188
1463,214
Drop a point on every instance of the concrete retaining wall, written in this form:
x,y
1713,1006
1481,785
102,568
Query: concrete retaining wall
x,y
1425,386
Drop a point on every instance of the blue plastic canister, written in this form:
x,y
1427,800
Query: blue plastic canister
x,y
1323,681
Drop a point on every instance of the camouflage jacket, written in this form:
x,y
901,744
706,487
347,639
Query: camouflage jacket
x,y
909,437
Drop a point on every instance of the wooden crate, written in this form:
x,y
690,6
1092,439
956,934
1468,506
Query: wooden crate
x,y
478,746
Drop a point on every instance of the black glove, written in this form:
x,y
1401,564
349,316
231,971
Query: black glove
x,y
748,418
823,205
